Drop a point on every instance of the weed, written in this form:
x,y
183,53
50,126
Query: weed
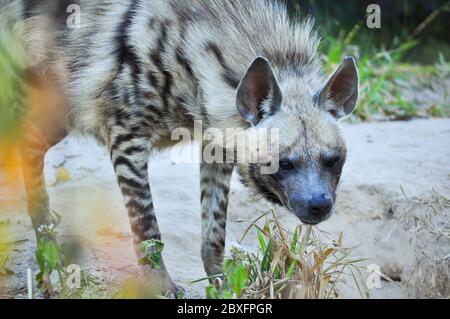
x,y
381,70
49,257
297,266
91,288
427,221
152,249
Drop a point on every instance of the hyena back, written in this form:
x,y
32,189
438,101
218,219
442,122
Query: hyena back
x,y
133,71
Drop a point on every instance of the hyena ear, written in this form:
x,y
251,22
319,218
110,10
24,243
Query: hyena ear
x,y
340,93
258,93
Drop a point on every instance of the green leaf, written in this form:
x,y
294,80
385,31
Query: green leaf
x,y
39,278
227,294
228,266
153,253
291,269
295,239
239,280
51,255
211,292
265,263
262,243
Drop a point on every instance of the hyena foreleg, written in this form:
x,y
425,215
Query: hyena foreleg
x,y
215,187
44,114
130,155
33,146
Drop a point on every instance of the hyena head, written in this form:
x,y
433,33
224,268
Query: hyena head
x,y
311,150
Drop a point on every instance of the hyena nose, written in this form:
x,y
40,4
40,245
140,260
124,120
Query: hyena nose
x,y
319,205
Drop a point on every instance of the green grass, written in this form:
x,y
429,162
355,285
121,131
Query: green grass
x,y
91,288
303,265
389,88
50,258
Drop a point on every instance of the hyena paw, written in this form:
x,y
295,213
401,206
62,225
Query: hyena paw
x,y
56,218
160,284
212,261
176,292
214,271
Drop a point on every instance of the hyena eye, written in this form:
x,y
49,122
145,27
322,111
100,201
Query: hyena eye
x,y
286,165
333,162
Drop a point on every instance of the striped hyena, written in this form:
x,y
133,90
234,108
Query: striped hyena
x,y
132,71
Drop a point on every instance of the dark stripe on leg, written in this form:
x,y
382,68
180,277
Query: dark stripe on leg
x,y
121,160
123,181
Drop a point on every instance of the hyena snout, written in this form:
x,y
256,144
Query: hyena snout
x,y
314,208
320,205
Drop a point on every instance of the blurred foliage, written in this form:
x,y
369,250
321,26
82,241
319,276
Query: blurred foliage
x,y
393,84
400,20
12,97
50,258
391,89
12,89
152,250
5,249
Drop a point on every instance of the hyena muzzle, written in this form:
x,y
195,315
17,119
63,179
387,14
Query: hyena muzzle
x,y
130,72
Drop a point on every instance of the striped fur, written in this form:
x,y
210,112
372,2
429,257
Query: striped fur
x,y
138,69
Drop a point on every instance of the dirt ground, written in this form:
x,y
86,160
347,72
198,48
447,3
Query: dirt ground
x,y
405,237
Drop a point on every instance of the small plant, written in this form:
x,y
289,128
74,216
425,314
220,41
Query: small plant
x,y
152,249
378,73
427,220
91,288
49,257
235,278
388,87
297,266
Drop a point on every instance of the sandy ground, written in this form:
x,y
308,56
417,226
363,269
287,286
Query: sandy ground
x,y
372,211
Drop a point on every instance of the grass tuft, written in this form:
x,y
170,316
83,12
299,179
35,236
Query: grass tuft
x,y
302,265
